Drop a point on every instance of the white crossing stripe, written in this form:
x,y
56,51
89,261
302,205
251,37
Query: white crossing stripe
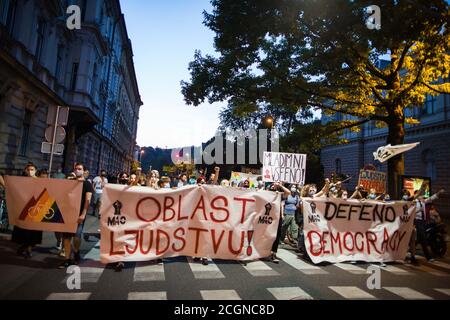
x,y
352,293
289,293
160,295
441,264
149,271
351,268
429,270
295,262
200,271
395,270
260,269
88,274
407,293
219,295
444,291
69,296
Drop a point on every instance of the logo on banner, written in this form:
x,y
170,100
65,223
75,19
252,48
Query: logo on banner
x,y
43,209
118,219
266,218
405,217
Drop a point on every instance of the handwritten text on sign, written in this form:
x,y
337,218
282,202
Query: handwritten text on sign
x,y
337,230
140,224
286,167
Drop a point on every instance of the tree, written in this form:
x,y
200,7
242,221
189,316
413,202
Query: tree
x,y
320,53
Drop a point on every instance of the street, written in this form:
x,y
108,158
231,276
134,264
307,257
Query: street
x,y
183,279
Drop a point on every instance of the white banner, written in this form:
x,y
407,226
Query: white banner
x,y
139,224
338,230
286,167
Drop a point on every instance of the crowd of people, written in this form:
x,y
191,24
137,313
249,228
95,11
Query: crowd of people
x,y
290,228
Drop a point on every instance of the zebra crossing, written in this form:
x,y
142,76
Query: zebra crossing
x,y
153,272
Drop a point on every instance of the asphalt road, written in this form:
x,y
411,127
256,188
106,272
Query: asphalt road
x,y
182,279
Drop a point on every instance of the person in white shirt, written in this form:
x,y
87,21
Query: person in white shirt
x,y
98,184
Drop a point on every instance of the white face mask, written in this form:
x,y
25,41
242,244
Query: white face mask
x,y
79,173
312,192
344,196
293,190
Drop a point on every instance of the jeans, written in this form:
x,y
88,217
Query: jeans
x,y
422,237
277,239
289,225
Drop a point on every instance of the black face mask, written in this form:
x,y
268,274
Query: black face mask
x,y
123,180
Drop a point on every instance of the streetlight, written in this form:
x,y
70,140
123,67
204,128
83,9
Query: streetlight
x,y
141,153
269,121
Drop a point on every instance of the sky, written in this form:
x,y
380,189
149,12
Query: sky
x,y
164,36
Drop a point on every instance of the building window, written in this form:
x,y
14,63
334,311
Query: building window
x,y
429,163
40,28
25,133
58,63
338,166
73,82
429,105
9,8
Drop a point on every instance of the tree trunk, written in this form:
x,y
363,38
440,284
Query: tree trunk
x,y
396,165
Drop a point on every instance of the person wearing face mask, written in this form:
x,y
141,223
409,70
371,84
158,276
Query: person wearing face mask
x,y
123,178
291,204
344,194
27,239
406,196
86,196
373,195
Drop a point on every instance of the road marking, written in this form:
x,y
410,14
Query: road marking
x,y
444,291
295,262
149,272
429,270
407,293
200,271
162,295
351,268
219,295
260,269
352,293
69,296
440,264
395,270
289,293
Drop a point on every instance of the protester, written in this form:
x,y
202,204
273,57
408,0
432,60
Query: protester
x,y
142,181
420,223
59,174
98,184
84,207
27,239
87,176
123,178
276,187
42,174
214,177
225,183
182,181
291,204
133,182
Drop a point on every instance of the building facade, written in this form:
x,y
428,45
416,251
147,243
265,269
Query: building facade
x,y
430,159
43,64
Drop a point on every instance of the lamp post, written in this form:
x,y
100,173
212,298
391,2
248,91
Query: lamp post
x,y
141,153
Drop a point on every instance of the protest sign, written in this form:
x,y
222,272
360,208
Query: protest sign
x,y
372,179
43,204
238,177
339,230
286,167
139,224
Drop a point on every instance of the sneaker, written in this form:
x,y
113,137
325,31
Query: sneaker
x,y
431,260
196,259
119,266
413,260
62,253
274,258
204,261
383,265
65,264
159,261
76,257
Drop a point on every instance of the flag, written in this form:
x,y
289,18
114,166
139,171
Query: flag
x,y
385,153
